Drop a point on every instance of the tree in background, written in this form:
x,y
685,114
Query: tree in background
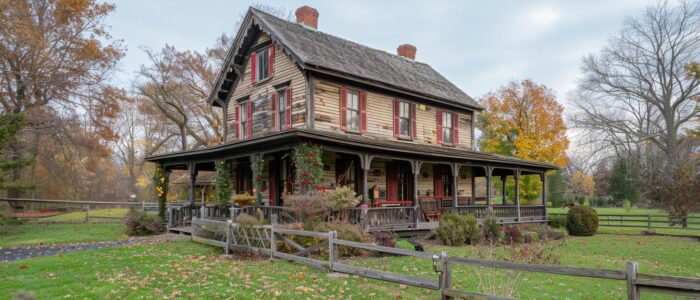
x,y
556,188
524,120
582,186
637,98
56,58
10,125
624,182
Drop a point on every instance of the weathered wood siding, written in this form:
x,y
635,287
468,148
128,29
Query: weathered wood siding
x,y
285,70
380,122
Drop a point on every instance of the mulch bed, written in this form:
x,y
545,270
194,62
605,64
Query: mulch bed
x,y
35,213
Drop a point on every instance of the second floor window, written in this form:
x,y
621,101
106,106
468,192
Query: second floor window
x,y
262,63
245,122
404,119
447,130
353,111
281,109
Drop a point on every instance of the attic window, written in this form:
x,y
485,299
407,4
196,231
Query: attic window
x,y
262,65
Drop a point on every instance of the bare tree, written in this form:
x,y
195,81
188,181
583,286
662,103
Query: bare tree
x,y
636,97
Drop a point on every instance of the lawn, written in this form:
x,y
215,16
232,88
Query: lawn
x,y
197,271
65,229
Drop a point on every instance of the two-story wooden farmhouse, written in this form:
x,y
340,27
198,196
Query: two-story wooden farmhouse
x,y
391,127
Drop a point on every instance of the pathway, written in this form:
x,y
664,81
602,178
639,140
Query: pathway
x,y
17,253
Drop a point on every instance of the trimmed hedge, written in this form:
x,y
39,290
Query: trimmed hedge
x,y
582,221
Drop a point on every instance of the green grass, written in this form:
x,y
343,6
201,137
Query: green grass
x,y
197,271
657,215
43,234
114,215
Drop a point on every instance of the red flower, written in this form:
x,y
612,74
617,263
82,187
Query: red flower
x,y
323,188
308,160
306,173
316,162
312,153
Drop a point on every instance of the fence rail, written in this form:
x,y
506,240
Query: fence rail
x,y
646,221
264,239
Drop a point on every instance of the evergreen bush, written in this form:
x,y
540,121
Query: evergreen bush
x,y
582,221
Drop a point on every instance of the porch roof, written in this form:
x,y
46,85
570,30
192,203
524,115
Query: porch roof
x,y
404,150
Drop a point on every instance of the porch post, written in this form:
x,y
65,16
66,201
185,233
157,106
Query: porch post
x,y
488,186
257,157
544,193
517,192
191,168
455,174
472,199
503,189
415,169
365,162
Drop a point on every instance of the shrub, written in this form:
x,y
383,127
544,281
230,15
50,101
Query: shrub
x,y
582,221
473,233
512,234
347,232
343,197
628,205
403,243
313,206
557,221
141,223
385,238
452,230
490,229
244,199
246,219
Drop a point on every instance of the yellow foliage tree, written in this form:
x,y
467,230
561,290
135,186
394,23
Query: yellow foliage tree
x,y
582,185
524,120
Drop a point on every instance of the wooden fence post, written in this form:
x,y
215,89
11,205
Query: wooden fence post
x,y
273,239
632,290
648,222
445,276
331,250
228,237
87,213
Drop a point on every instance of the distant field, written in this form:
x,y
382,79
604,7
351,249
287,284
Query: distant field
x,y
109,214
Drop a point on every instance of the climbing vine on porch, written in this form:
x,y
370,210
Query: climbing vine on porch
x,y
257,167
223,182
160,181
309,167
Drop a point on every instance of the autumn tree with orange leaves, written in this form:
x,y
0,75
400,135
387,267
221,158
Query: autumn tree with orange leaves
x,y
524,120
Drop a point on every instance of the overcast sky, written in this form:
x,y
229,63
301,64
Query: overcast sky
x,y
478,45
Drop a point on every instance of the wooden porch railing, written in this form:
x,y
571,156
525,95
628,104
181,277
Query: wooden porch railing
x,y
181,215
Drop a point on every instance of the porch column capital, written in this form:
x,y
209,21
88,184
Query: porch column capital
x,y
455,169
415,166
365,161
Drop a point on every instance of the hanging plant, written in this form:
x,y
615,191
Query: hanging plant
x,y
223,183
257,168
309,167
160,181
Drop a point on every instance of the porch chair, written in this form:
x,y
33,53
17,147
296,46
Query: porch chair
x,y
430,209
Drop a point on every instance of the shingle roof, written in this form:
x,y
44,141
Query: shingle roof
x,y
322,50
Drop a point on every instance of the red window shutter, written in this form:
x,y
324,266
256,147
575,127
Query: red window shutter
x,y
392,188
272,182
397,133
437,181
455,128
236,122
250,118
274,99
438,117
414,132
288,111
343,108
363,112
253,69
271,68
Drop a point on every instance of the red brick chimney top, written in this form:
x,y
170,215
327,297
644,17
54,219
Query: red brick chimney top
x,y
407,51
308,16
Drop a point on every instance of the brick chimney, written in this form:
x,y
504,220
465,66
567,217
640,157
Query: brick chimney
x,y
407,51
308,16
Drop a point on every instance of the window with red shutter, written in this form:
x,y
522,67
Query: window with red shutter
x,y
396,118
438,116
236,120
363,112
274,98
253,67
288,109
414,132
250,119
343,92
270,69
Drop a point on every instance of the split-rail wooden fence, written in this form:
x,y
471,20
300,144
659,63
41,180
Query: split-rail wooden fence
x,y
265,239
